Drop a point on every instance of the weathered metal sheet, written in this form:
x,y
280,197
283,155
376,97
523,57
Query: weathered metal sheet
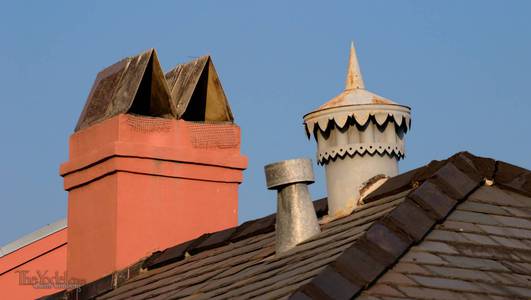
x,y
116,88
197,92
182,81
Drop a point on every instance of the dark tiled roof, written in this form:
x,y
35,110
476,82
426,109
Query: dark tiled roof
x,y
248,267
481,250
360,254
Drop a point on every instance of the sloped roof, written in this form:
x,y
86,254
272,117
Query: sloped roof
x,y
392,246
481,250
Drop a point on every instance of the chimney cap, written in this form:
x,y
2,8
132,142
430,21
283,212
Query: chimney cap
x,y
289,171
133,85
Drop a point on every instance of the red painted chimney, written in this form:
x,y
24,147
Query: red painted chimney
x,y
154,161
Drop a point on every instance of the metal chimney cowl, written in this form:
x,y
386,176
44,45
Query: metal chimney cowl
x,y
296,220
359,135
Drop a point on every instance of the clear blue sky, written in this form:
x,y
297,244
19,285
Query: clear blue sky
x,y
463,66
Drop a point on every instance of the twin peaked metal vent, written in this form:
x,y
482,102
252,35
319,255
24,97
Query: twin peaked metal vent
x,y
137,85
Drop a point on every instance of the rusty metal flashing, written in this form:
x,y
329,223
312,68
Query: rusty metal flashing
x,y
197,92
133,85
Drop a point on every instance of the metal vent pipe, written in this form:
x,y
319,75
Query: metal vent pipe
x,y
296,219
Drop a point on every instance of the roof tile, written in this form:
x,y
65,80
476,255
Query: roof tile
x,y
519,211
513,222
523,292
484,251
473,217
394,278
479,239
509,278
436,247
483,208
213,240
169,255
495,230
445,284
412,219
457,183
254,227
459,273
494,289
98,287
427,293
446,236
388,240
394,185
423,258
474,263
360,266
499,197
384,290
432,199
510,243
513,177
460,226
485,166
410,268
334,285
519,268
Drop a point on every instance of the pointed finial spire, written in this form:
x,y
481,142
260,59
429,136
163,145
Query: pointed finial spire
x,y
354,79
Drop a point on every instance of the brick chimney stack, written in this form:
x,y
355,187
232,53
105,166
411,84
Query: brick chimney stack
x,y
155,161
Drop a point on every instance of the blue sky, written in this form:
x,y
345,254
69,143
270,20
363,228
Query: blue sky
x,y
463,67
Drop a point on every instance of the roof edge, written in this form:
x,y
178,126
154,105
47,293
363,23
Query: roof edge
x,y
33,237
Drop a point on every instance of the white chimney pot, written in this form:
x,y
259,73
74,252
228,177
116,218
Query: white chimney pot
x,y
359,135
